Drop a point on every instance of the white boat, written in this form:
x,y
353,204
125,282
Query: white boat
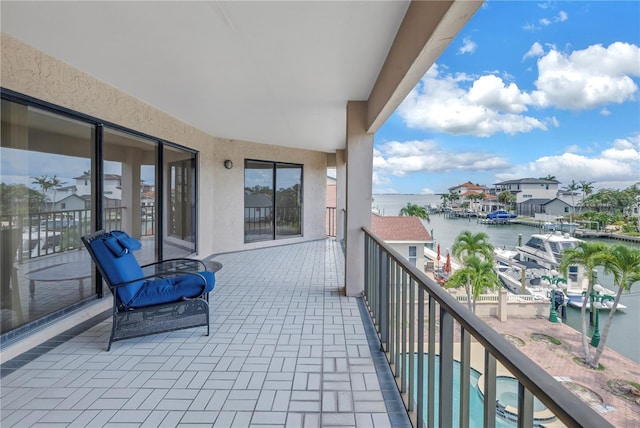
x,y
524,278
542,252
540,257
576,302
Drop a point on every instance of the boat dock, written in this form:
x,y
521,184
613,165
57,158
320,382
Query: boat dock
x,y
584,233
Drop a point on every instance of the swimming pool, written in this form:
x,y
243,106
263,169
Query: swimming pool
x,y
506,394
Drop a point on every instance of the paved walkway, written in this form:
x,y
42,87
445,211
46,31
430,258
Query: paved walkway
x,y
558,360
286,349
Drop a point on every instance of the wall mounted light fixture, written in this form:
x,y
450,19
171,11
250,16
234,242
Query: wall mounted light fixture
x,y
228,164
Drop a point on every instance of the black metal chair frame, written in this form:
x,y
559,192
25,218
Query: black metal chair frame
x,y
130,322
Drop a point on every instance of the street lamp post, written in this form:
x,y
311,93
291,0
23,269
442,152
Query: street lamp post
x,y
597,301
594,300
554,282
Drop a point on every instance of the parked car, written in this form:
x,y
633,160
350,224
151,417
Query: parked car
x,y
501,214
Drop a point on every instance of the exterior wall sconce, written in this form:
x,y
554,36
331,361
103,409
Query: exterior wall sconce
x,y
228,164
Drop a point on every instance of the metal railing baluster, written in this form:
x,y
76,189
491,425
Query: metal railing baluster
x,y
383,299
465,376
489,390
404,373
412,341
431,363
525,407
390,292
421,383
399,363
445,398
392,312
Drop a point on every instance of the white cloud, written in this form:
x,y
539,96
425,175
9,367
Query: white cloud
x,y
443,103
402,158
491,92
619,164
385,191
535,50
468,46
587,78
380,179
562,16
427,191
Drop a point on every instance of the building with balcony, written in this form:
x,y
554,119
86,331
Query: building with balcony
x,y
228,105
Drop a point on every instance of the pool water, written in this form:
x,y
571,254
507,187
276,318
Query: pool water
x,y
506,393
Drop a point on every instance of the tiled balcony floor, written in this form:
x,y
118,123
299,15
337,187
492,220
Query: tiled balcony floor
x,y
286,349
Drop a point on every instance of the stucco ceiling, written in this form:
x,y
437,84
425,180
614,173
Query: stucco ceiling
x,y
269,72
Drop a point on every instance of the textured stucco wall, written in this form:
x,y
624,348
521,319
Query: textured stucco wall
x,y
31,72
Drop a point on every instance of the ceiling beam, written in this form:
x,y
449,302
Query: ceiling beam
x,y
426,30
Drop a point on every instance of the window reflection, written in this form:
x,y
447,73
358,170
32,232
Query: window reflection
x,y
44,210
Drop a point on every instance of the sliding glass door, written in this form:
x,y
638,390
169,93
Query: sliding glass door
x,y
63,175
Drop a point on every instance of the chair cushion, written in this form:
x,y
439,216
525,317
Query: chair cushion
x,y
119,243
154,292
118,269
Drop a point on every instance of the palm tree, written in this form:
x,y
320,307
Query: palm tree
x,y
469,244
414,210
572,188
55,184
506,197
624,263
445,200
475,276
45,184
588,255
548,177
453,196
586,187
472,245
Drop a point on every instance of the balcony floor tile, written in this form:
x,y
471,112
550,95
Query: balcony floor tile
x,y
286,349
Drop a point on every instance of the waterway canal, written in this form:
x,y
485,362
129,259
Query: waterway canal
x,y
623,336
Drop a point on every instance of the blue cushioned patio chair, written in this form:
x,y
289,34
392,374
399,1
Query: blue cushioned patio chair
x,y
163,296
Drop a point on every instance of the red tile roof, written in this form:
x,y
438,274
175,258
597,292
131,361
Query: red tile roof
x,y
399,228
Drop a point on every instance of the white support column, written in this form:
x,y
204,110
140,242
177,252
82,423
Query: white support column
x,y
358,194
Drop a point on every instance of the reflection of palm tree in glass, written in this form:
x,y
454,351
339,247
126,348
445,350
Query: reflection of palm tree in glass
x,y
45,184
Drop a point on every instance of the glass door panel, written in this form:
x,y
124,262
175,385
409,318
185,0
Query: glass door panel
x,y
179,238
129,199
288,200
43,212
258,201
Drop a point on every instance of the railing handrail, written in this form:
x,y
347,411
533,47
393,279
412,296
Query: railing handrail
x,y
566,406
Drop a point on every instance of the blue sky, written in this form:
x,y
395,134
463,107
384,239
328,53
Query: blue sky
x,y
527,89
